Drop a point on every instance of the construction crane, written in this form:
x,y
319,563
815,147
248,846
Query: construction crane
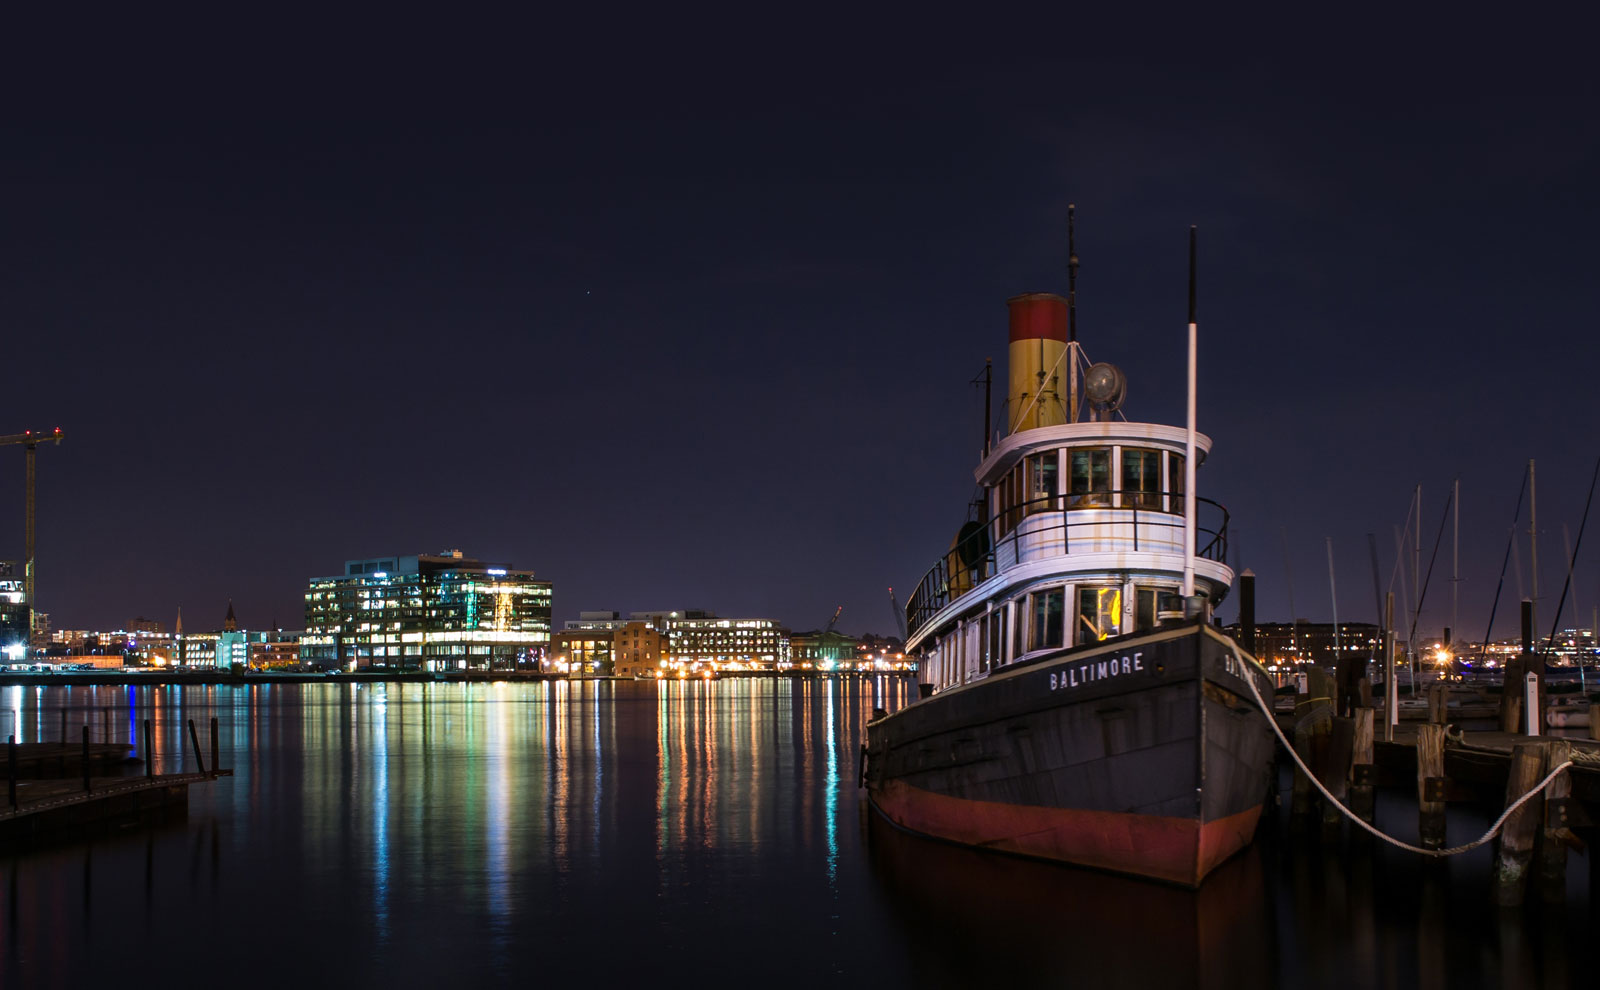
x,y
899,615
30,440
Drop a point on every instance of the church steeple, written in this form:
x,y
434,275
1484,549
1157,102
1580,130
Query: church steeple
x,y
230,624
177,630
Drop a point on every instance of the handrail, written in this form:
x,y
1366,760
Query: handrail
x,y
973,560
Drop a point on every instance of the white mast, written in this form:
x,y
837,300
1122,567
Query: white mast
x,y
1188,442
1455,565
1533,543
1333,592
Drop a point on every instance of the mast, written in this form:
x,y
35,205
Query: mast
x,y
1533,541
1333,593
988,403
1455,564
1416,591
1072,315
1188,441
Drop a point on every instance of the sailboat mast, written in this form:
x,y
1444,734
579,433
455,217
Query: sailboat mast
x,y
1189,438
1533,541
1455,564
1333,593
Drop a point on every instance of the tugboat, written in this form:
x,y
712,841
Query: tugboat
x,y
1076,703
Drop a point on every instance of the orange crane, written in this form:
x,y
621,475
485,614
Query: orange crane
x,y
30,440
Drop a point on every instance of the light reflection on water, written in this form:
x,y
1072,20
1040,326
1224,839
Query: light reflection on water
x,y
437,834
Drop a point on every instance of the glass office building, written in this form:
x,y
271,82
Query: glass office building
x,y
430,612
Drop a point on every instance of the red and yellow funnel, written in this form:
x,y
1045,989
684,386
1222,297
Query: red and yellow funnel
x,y
1038,341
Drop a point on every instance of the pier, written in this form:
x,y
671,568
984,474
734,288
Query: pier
x,y
53,790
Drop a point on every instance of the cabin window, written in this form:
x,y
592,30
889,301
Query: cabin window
x,y
994,639
1019,629
1141,478
1175,482
1047,610
1099,613
1091,477
1042,487
1144,610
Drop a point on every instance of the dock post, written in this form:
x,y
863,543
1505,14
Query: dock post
x,y
1335,774
214,763
86,787
1557,833
1313,713
194,738
149,754
11,769
1438,701
1515,852
1430,785
1363,775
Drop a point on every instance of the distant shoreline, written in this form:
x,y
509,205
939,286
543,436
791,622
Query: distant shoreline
x,y
154,678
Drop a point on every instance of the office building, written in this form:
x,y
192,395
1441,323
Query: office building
x,y
440,611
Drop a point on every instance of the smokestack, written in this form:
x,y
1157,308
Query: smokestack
x,y
1038,344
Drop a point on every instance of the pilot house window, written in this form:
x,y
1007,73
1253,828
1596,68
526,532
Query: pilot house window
x,y
1041,491
1091,477
1045,623
1099,613
1141,478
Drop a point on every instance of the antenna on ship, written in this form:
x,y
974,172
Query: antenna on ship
x,y
1188,442
1072,314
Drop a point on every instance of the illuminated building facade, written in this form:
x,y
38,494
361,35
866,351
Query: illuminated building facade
x,y
14,618
581,651
430,611
754,644
638,649
815,649
1279,643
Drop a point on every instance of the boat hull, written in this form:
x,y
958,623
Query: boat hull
x,y
1143,755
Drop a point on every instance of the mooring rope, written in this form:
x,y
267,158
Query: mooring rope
x,y
1249,669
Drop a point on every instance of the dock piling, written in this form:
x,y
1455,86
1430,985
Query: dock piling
x,y
194,738
1431,784
1335,774
1363,775
1557,833
1515,853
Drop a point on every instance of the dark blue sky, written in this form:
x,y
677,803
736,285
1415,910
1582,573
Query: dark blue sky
x,y
682,313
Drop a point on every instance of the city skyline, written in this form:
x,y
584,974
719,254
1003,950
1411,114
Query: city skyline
x,y
660,337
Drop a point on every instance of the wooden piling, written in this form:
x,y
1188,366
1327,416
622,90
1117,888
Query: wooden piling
x,y
1594,720
194,738
1430,784
1438,702
1335,775
1557,834
1313,723
1516,837
1363,775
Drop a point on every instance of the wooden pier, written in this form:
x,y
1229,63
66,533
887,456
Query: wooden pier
x,y
52,790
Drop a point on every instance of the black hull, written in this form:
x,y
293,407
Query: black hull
x,y
1144,754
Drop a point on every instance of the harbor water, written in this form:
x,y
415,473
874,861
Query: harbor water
x,y
681,833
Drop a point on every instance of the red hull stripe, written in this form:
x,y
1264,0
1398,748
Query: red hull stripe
x,y
1177,850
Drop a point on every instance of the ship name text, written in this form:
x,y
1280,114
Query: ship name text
x,y
1099,670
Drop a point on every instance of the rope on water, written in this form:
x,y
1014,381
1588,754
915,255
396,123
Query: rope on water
x,y
1249,668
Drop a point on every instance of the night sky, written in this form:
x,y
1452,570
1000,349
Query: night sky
x,y
682,312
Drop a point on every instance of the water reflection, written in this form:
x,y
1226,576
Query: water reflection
x,y
441,834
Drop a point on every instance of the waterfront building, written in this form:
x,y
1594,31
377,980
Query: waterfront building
x,y
14,615
824,650
1280,643
639,649
581,651
607,621
731,644
434,611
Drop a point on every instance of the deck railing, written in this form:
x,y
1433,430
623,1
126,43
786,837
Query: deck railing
x,y
1044,527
